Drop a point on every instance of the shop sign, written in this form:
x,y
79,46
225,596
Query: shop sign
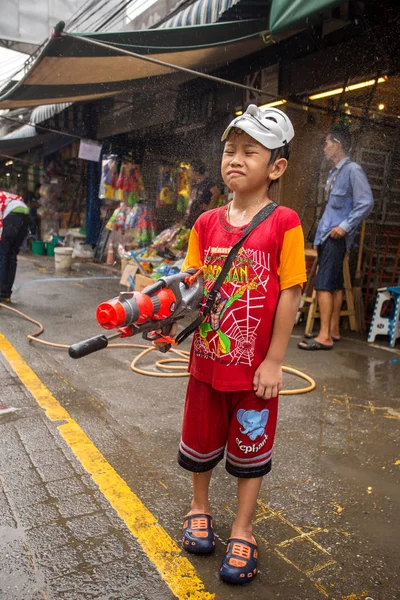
x,y
90,150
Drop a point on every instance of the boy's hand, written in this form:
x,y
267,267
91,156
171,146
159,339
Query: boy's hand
x,y
267,382
171,333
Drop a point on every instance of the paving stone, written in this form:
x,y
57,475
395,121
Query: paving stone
x,y
27,495
14,461
82,504
46,457
102,501
38,514
18,479
17,578
90,526
55,471
78,586
115,520
104,551
9,434
48,536
59,562
65,487
41,443
125,578
88,481
14,395
32,427
6,514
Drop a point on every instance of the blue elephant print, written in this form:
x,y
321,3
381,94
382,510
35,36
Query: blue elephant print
x,y
253,422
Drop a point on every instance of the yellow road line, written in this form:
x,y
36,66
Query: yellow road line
x,y
175,569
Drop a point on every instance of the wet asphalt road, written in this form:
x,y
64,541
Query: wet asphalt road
x,y
328,515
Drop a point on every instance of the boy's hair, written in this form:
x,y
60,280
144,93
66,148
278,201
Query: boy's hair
x,y
278,153
339,133
198,167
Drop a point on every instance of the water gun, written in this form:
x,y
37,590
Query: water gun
x,y
150,312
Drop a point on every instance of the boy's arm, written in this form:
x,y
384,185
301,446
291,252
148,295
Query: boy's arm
x,y
267,380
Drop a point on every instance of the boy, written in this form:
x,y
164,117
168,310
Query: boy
x,y
237,354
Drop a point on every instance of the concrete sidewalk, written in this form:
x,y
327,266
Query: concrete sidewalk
x,y
327,515
59,537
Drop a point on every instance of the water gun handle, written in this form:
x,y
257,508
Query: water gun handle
x,y
80,349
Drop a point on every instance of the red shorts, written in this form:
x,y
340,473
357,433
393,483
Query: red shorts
x,y
239,420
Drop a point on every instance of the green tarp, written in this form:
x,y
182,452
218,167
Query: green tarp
x,y
287,14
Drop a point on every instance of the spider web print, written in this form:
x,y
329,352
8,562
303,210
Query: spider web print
x,y
242,324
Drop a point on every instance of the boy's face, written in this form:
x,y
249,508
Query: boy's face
x,y
245,167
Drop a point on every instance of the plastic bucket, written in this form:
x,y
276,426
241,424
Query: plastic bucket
x,y
50,248
38,247
63,258
57,240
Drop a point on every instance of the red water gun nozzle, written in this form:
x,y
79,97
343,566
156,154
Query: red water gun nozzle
x,y
111,314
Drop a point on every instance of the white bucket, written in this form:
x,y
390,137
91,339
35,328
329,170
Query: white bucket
x,y
63,258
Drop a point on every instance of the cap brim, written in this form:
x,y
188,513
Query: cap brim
x,y
237,125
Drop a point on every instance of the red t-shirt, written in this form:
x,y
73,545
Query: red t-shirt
x,y
231,344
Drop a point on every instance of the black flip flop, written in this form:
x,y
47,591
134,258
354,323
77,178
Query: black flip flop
x,y
310,336
313,345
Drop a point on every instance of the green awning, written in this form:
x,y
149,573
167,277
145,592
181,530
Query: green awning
x,y
286,14
69,69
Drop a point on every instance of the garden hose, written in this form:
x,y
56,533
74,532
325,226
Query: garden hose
x,y
168,367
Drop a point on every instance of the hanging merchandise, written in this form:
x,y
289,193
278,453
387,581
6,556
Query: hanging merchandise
x,y
118,218
183,187
109,177
172,242
134,185
165,187
173,187
122,181
139,225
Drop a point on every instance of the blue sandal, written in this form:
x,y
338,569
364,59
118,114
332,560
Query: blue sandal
x,y
240,562
198,536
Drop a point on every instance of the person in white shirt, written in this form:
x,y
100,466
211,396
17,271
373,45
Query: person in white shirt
x,y
14,223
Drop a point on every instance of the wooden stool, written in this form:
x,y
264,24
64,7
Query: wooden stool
x,y
306,296
349,311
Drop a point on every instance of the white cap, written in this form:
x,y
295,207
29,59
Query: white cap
x,y
271,127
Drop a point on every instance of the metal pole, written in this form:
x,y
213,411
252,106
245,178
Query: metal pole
x,y
77,137
27,162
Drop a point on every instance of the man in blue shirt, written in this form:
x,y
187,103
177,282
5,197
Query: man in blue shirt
x,y
350,201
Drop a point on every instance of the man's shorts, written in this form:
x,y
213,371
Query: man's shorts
x,y
331,254
240,421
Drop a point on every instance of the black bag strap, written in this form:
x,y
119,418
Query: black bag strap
x,y
263,214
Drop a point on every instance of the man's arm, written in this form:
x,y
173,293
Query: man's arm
x,y
363,201
267,380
